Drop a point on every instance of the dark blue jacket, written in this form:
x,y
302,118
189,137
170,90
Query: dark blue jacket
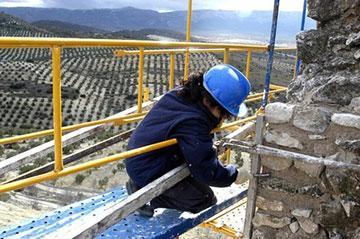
x,y
191,124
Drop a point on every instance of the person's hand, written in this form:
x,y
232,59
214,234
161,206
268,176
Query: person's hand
x,y
243,176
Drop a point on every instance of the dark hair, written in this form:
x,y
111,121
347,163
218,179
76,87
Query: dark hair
x,y
193,89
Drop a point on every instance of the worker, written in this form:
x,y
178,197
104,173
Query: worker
x,y
188,113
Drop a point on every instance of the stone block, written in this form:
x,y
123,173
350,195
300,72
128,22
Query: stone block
x,y
347,120
353,39
269,205
349,145
353,234
324,10
351,208
311,169
324,150
309,226
334,233
258,235
294,227
282,234
278,112
315,120
340,89
301,212
285,186
355,102
357,55
261,219
343,181
311,44
276,164
282,139
331,214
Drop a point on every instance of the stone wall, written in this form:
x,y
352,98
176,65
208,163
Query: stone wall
x,y
321,118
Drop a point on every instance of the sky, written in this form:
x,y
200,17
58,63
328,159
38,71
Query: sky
x,y
159,5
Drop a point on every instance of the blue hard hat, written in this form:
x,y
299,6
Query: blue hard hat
x,y
228,86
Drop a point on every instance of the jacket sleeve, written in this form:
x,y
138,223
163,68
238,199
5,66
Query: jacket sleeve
x,y
196,146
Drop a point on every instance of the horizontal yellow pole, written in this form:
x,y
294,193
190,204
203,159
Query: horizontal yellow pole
x,y
285,48
121,53
254,99
261,94
254,95
225,229
84,166
169,51
277,87
118,121
237,122
86,42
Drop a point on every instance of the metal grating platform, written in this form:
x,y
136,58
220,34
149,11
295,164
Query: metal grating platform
x,y
235,219
43,227
166,223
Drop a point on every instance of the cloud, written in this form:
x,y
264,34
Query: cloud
x,y
22,3
167,5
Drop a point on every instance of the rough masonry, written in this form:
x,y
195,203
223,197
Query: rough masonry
x,y
321,118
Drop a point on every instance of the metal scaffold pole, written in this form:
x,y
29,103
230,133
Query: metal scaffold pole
x,y
298,61
271,53
188,38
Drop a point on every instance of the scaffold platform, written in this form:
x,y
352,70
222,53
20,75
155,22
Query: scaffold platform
x,y
166,223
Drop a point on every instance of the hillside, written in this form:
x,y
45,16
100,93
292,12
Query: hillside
x,y
255,25
13,26
65,29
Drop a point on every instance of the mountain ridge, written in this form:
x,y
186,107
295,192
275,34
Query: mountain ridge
x,y
204,22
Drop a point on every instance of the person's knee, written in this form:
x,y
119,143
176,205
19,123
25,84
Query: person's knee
x,y
209,200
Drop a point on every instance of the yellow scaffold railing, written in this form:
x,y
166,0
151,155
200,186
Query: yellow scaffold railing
x,y
57,44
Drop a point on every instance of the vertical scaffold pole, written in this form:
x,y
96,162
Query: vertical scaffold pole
x,y
248,62
188,30
298,61
226,56
57,121
271,53
140,79
172,71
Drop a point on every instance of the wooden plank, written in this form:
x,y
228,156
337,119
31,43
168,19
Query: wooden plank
x,y
48,147
255,169
74,157
105,217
